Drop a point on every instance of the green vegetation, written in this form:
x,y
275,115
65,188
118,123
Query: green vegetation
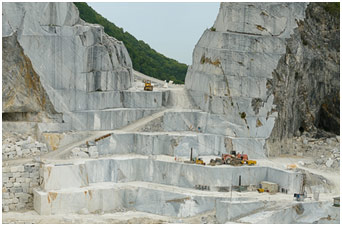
x,y
213,29
332,7
144,58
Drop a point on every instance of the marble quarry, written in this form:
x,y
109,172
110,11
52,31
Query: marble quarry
x,y
112,146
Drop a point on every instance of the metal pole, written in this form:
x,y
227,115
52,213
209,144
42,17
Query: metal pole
x,y
191,155
231,189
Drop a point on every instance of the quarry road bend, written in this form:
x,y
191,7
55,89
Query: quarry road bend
x,y
129,128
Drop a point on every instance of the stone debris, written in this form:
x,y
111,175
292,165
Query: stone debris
x,y
16,145
85,152
324,151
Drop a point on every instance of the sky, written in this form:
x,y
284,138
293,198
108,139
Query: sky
x,y
172,29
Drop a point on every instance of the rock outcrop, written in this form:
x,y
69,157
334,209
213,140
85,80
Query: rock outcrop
x,y
72,59
23,96
233,64
306,82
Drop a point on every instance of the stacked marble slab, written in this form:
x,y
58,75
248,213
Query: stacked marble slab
x,y
85,184
82,69
232,68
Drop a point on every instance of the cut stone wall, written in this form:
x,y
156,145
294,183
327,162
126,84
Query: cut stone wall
x,y
17,186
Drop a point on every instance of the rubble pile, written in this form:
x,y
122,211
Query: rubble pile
x,y
324,151
86,151
16,145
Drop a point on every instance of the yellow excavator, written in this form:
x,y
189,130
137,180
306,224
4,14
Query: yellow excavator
x,y
148,85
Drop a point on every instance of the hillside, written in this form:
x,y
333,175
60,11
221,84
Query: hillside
x,y
144,58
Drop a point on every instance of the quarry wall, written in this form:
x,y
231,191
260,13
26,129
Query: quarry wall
x,y
233,63
66,59
307,79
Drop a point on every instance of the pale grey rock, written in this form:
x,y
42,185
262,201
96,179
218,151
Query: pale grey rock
x,y
75,150
148,170
102,173
271,19
71,59
83,211
228,210
301,163
329,162
81,155
232,65
93,153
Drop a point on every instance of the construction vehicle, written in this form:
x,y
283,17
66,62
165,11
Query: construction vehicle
x,y
195,160
199,161
299,197
234,159
260,190
148,85
249,162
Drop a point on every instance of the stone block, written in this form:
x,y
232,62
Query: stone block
x,y
94,155
16,189
23,199
20,180
20,206
81,155
269,186
34,174
12,206
35,151
6,170
11,179
26,152
25,174
14,169
6,201
5,195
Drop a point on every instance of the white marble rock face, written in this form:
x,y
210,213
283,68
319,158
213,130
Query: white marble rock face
x,y
71,57
232,64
